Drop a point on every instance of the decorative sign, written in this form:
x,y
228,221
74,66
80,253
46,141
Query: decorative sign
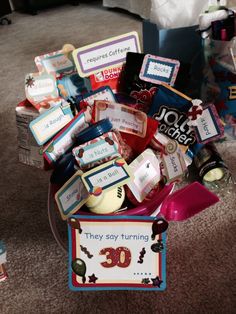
x,y
55,63
146,170
209,126
50,122
123,118
158,70
97,151
116,253
64,140
105,54
103,93
40,87
71,196
107,176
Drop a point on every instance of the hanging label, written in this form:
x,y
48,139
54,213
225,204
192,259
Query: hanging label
x,y
146,170
40,87
103,93
50,122
116,253
159,70
72,196
209,126
123,118
107,176
64,140
174,166
105,54
55,63
97,151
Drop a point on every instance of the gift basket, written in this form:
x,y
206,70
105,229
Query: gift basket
x,y
119,140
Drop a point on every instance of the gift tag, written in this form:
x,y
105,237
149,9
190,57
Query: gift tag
x,y
116,253
55,63
174,165
123,118
72,196
40,87
99,150
50,122
64,140
105,54
107,176
208,126
103,93
158,70
146,171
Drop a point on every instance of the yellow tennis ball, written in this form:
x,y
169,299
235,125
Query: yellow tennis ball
x,y
107,202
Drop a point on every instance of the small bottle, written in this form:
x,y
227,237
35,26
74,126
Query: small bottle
x,y
212,170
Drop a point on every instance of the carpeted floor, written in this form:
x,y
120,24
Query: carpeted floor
x,y
201,251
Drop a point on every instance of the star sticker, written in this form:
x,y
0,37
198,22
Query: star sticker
x,y
29,82
145,281
156,282
92,278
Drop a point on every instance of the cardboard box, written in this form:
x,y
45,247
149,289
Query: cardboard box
x,y
29,152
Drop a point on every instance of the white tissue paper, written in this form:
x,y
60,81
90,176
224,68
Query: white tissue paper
x,y
176,13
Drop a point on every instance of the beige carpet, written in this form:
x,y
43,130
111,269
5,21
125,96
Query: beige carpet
x,y
201,251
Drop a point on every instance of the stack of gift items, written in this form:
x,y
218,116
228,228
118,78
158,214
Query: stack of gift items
x,y
114,130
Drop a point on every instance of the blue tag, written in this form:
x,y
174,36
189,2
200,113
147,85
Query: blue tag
x,y
159,70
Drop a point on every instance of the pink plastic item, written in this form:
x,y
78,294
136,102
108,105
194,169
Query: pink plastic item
x,y
187,202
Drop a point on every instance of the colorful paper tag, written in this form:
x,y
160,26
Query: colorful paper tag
x,y
123,118
40,87
55,63
103,93
209,126
116,253
64,140
105,54
50,122
146,171
72,196
99,150
107,176
158,70
174,166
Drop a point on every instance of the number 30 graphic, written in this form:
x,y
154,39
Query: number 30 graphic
x,y
120,257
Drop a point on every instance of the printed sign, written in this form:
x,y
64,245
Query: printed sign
x,y
50,122
105,54
123,118
146,170
97,151
174,165
209,126
64,140
116,253
103,93
55,63
72,196
107,176
158,70
40,87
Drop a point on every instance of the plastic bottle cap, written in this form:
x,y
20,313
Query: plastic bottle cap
x,y
93,131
